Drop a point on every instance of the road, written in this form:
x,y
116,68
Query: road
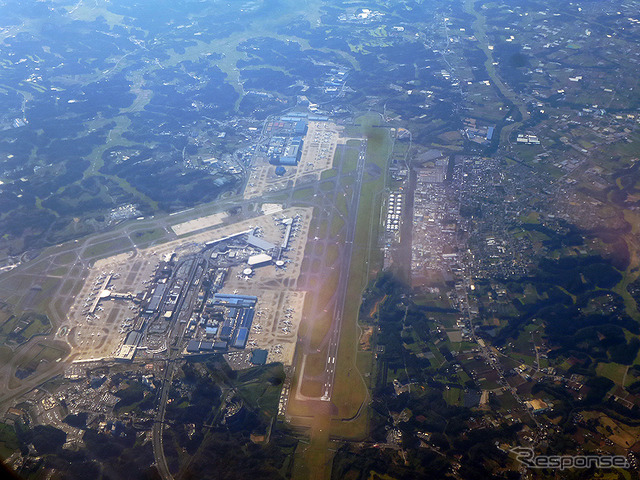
x,y
158,426
183,309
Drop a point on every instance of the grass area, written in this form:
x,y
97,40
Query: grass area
x,y
379,148
373,475
437,300
103,249
479,29
66,258
6,354
461,346
331,254
22,328
464,378
350,160
9,325
260,387
507,401
40,353
316,265
122,124
613,371
341,204
336,226
58,272
37,324
142,238
623,435
130,397
278,198
328,174
8,440
326,186
454,396
350,393
68,286
437,356
631,307
323,228
42,300
86,12
303,194
364,362
522,358
487,384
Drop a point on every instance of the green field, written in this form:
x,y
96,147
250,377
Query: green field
x,y
612,371
302,194
103,249
351,156
20,329
328,174
454,396
349,419
8,440
144,238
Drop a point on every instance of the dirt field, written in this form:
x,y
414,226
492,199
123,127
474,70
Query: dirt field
x,y
198,224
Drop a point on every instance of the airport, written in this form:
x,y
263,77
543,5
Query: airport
x,y
222,290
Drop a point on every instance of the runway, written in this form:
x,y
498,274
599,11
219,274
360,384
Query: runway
x,y
330,370
336,305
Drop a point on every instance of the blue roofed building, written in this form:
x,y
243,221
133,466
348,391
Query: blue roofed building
x,y
156,298
247,318
228,298
288,160
193,346
259,357
241,338
225,333
300,128
219,345
211,331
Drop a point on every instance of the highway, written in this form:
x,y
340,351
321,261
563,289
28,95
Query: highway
x,y
158,426
183,311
